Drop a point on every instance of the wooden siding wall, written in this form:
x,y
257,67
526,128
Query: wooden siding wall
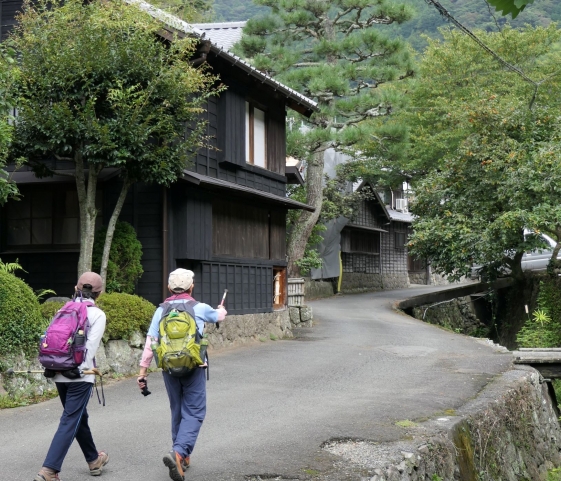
x,y
250,287
8,10
48,270
278,235
190,227
231,127
276,138
243,231
143,210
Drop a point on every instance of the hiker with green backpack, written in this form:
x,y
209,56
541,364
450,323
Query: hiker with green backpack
x,y
174,341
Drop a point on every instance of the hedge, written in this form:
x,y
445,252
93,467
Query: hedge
x,y
125,313
21,322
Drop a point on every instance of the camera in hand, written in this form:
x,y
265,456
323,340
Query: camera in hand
x,y
144,390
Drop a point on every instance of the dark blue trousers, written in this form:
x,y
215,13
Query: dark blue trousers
x,y
73,424
187,401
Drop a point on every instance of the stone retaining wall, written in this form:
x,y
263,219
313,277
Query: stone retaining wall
x,y
319,289
355,282
457,315
122,357
510,432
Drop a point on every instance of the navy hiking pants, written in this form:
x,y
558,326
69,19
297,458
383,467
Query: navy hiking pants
x,y
73,424
187,401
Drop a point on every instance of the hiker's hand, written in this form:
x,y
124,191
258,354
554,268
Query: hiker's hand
x,y
204,365
141,381
220,306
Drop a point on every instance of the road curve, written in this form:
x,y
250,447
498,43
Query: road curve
x,y
362,368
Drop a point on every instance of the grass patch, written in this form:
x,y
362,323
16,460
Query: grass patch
x,y
554,474
273,337
406,424
20,400
311,472
262,339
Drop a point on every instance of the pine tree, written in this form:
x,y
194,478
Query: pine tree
x,y
336,52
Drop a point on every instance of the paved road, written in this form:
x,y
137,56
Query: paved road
x,y
272,405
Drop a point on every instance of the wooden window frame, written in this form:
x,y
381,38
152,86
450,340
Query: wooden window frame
x,y
250,159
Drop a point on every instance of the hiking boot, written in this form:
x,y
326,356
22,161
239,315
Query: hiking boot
x,y
46,474
97,466
174,462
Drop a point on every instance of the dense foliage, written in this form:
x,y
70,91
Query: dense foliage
x,y
124,267
337,53
483,145
188,10
125,314
89,96
7,76
543,327
49,309
236,10
427,20
21,322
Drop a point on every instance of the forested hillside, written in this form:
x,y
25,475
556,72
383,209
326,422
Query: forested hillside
x,y
472,13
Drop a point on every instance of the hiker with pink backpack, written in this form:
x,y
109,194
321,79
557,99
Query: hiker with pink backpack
x,y
67,353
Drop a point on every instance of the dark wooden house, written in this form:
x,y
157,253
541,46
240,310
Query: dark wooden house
x,y
225,219
369,251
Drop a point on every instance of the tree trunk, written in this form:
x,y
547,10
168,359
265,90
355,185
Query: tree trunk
x,y
88,212
307,220
111,231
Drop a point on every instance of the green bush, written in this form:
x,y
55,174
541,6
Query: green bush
x,y
124,267
49,309
21,322
543,329
125,314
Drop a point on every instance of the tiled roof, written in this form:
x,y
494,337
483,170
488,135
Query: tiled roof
x,y
398,215
176,23
223,35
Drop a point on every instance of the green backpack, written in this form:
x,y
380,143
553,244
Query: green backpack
x,y
179,351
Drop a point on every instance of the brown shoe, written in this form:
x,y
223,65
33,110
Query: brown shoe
x,y
46,474
97,465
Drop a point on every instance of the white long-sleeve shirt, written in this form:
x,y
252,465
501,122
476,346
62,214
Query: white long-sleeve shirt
x,y
97,320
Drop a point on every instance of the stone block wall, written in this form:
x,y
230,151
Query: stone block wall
x,y
354,282
123,356
319,289
510,432
301,316
457,315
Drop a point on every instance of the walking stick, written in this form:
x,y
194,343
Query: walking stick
x,y
222,304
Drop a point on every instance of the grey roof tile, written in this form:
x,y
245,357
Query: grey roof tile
x,y
224,34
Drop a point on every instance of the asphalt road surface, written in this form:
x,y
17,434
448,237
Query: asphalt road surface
x,y
358,371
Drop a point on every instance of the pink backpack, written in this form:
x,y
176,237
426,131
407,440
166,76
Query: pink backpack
x,y
63,346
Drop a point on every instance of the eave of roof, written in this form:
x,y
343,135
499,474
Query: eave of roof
x,y
211,182
297,101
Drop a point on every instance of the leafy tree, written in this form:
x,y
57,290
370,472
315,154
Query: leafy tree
x,y
188,10
337,53
125,266
512,7
483,163
8,72
89,96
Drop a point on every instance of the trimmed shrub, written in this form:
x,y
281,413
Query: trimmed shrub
x,y
21,322
49,309
125,314
124,267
